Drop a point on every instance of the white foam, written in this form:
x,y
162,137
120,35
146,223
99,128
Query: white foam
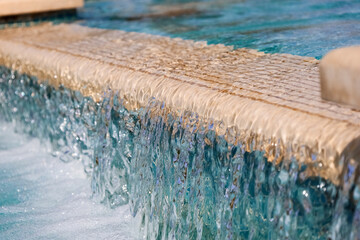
x,y
44,198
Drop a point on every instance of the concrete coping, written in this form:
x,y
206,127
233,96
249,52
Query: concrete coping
x,y
340,76
20,7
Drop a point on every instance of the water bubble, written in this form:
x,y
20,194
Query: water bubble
x,y
283,176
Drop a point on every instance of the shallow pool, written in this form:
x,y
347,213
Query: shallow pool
x,y
307,28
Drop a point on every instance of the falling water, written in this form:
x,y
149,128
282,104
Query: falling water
x,y
44,198
182,179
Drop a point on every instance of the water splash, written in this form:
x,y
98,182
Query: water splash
x,y
44,198
185,181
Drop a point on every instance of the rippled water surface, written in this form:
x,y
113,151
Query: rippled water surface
x,y
44,198
308,28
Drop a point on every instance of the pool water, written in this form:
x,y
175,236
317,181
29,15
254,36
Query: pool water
x,y
42,197
306,28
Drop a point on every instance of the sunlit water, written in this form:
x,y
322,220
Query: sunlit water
x,y
44,198
179,178
108,164
307,28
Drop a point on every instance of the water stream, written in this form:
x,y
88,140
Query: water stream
x,y
180,179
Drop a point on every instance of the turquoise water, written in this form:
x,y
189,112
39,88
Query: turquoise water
x,y
307,28
155,178
181,182
42,197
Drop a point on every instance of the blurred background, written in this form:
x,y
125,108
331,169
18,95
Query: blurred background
x,y
307,28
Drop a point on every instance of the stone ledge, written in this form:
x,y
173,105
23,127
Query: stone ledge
x,y
340,76
20,7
